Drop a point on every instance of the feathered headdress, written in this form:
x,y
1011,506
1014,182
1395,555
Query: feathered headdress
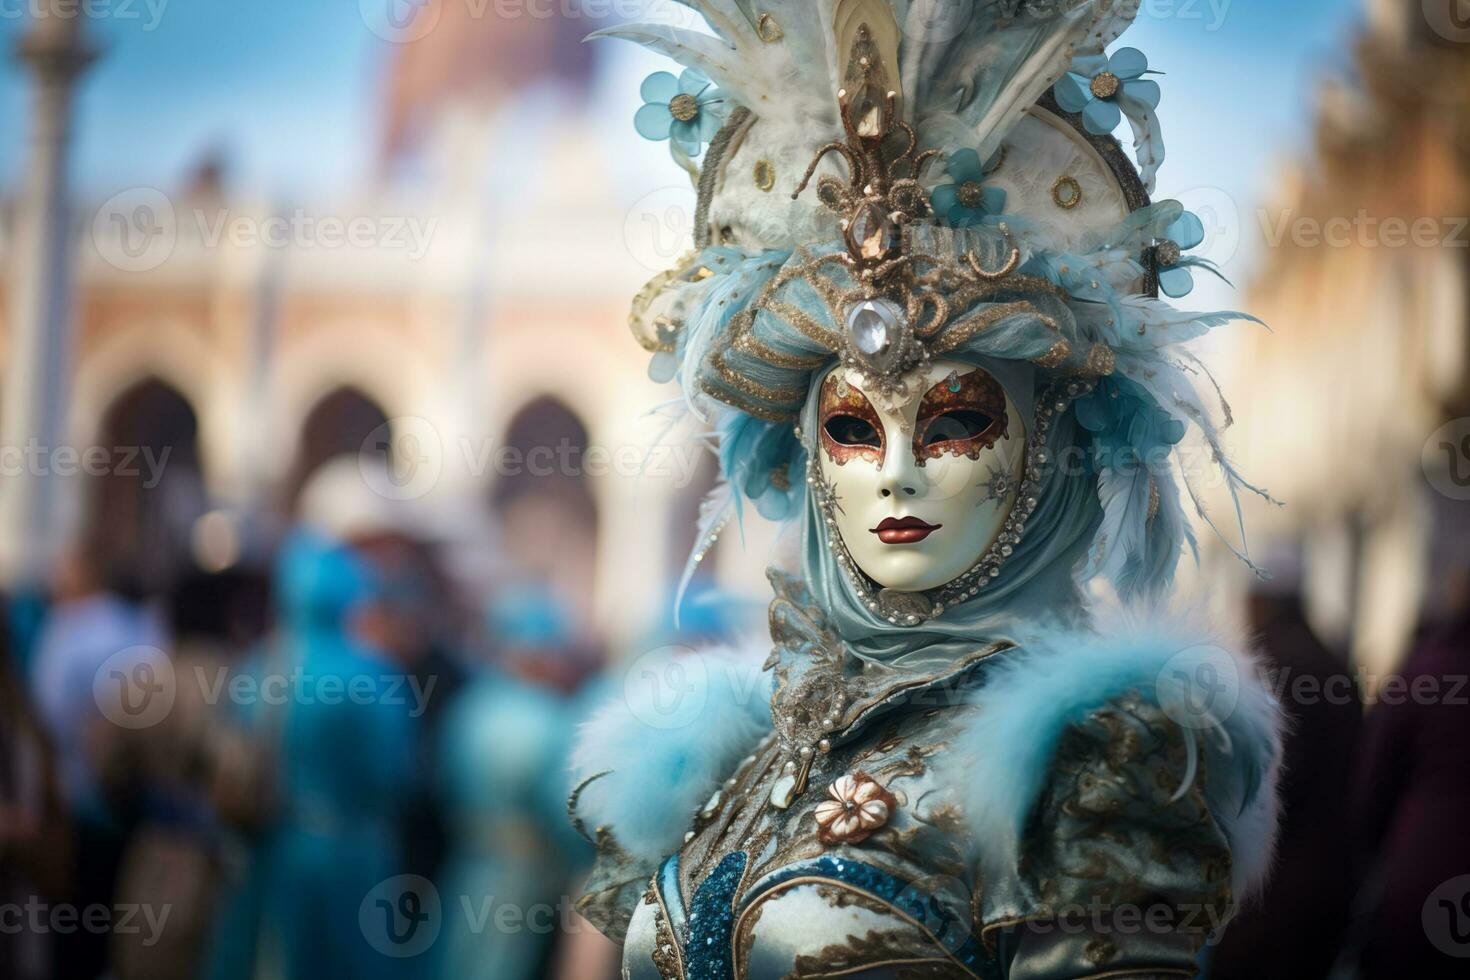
x,y
884,181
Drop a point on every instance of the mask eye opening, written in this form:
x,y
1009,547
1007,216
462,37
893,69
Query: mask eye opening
x,y
957,425
852,430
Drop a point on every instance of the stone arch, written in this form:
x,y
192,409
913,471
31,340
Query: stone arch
x,y
173,353
342,421
544,504
370,359
144,487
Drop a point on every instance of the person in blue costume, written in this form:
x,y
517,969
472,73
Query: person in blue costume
x,y
503,776
340,768
504,772
344,769
923,321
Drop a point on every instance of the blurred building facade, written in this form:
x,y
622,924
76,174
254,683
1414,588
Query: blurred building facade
x,y
1366,280
474,331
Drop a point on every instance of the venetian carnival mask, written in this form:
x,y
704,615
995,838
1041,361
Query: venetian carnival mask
x,y
920,483
961,332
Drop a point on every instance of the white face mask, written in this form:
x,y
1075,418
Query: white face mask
x,y
922,485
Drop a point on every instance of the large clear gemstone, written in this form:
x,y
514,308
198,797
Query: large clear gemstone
x,y
872,236
873,325
871,112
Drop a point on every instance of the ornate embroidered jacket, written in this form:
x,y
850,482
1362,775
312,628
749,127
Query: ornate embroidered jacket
x,y
1044,810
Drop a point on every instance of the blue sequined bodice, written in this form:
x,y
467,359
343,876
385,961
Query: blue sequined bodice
x,y
777,924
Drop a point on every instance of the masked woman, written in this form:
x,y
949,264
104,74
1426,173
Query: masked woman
x,y
923,322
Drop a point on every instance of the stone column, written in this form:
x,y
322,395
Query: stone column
x,y
35,396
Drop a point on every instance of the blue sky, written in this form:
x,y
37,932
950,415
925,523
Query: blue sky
x,y
288,90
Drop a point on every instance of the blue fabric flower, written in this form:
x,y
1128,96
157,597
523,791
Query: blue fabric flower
x,y
1094,86
1129,429
966,201
1186,232
687,110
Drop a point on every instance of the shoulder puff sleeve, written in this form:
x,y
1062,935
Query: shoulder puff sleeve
x,y
1123,864
1135,808
647,760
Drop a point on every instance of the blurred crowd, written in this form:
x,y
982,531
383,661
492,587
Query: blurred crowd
x,y
333,765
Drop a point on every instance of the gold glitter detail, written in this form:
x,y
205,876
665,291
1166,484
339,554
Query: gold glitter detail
x,y
1073,195
656,335
1059,352
1153,501
960,331
970,194
1013,260
684,107
752,409
751,346
765,175
804,324
1100,361
751,387
957,332
767,29
1105,85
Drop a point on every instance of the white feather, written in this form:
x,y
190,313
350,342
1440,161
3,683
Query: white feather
x,y
1148,145
714,513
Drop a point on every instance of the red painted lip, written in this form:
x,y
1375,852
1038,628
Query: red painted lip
x,y
903,530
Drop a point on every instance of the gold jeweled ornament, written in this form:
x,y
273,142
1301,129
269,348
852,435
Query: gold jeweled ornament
x,y
883,193
1066,192
764,175
768,29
